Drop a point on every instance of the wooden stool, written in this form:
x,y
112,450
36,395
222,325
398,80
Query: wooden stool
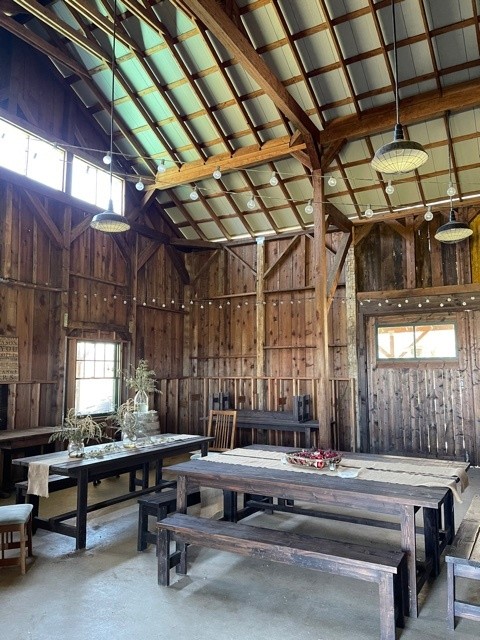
x,y
16,518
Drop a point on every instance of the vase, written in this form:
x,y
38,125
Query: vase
x,y
140,401
129,431
76,449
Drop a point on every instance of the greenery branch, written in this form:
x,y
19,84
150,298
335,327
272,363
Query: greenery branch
x,y
78,428
142,378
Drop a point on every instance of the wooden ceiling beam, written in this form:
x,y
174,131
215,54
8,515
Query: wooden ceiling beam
x,y
240,159
414,109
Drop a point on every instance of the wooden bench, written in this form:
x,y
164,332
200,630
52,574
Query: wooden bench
x,y
386,568
159,505
463,560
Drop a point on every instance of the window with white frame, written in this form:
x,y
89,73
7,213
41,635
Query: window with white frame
x,y
422,341
97,377
92,184
32,157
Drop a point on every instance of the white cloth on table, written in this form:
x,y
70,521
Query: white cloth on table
x,y
38,473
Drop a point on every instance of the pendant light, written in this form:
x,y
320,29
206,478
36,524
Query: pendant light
x,y
453,231
109,221
399,156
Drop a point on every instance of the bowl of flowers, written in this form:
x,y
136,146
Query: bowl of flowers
x,y
316,458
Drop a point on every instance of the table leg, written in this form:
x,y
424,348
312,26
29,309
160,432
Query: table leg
x,y
449,517
204,449
82,497
431,518
182,496
409,546
308,438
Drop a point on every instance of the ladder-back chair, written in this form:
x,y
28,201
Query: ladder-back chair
x,y
222,425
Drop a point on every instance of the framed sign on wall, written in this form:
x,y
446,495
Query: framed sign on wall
x,y
8,359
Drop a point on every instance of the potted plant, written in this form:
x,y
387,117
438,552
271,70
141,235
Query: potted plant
x,y
76,429
143,381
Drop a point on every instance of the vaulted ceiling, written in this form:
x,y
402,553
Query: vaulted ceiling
x,y
262,88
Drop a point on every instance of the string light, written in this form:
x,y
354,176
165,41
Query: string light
x,y
451,191
368,212
273,179
428,214
161,167
107,158
309,207
139,185
217,174
389,189
332,181
251,204
194,194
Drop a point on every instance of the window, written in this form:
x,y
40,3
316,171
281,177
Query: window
x,y
417,341
91,184
32,157
45,162
97,377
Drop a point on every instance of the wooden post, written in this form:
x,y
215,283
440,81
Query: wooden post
x,y
322,372
260,322
351,304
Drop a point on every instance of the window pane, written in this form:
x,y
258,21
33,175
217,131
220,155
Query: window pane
x,y
422,341
395,342
435,341
45,163
97,377
95,396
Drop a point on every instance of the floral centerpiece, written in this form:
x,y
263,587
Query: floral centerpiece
x,y
143,381
76,429
127,423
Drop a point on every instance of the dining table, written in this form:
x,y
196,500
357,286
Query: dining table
x,y
396,487
103,461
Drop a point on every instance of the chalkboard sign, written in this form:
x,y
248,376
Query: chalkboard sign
x,y
8,359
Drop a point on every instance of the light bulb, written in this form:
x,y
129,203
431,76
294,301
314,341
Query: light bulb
x,y
309,207
332,181
161,167
451,191
428,214
274,180
139,185
389,188
107,158
194,194
217,174
368,212
251,203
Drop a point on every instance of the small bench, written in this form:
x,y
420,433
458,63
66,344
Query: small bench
x,y
463,560
159,505
55,483
386,568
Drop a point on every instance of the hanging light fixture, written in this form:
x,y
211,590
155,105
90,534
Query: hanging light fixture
x,y
217,174
251,204
194,193
399,156
309,208
161,168
453,231
109,221
332,181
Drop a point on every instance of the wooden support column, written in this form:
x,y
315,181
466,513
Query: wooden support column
x,y
321,364
351,304
260,322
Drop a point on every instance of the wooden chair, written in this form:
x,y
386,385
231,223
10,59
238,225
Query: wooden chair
x,y
222,425
16,519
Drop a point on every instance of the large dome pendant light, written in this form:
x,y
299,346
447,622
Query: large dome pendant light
x,y
399,156
453,231
109,221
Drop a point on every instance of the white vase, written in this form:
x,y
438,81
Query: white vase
x,y
140,401
76,449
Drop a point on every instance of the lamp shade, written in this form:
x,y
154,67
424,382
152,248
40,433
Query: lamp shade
x,y
453,231
399,156
109,221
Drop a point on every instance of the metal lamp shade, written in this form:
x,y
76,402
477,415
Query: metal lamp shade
x,y
399,156
109,221
453,231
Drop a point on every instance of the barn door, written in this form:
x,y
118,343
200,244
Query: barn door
x,y
422,407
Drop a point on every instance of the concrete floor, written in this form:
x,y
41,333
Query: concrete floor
x,y
109,591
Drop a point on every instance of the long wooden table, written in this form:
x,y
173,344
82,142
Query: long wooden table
x,y
89,469
400,500
15,439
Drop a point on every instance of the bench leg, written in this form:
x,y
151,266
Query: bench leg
x,y
163,557
182,564
142,529
387,607
450,595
